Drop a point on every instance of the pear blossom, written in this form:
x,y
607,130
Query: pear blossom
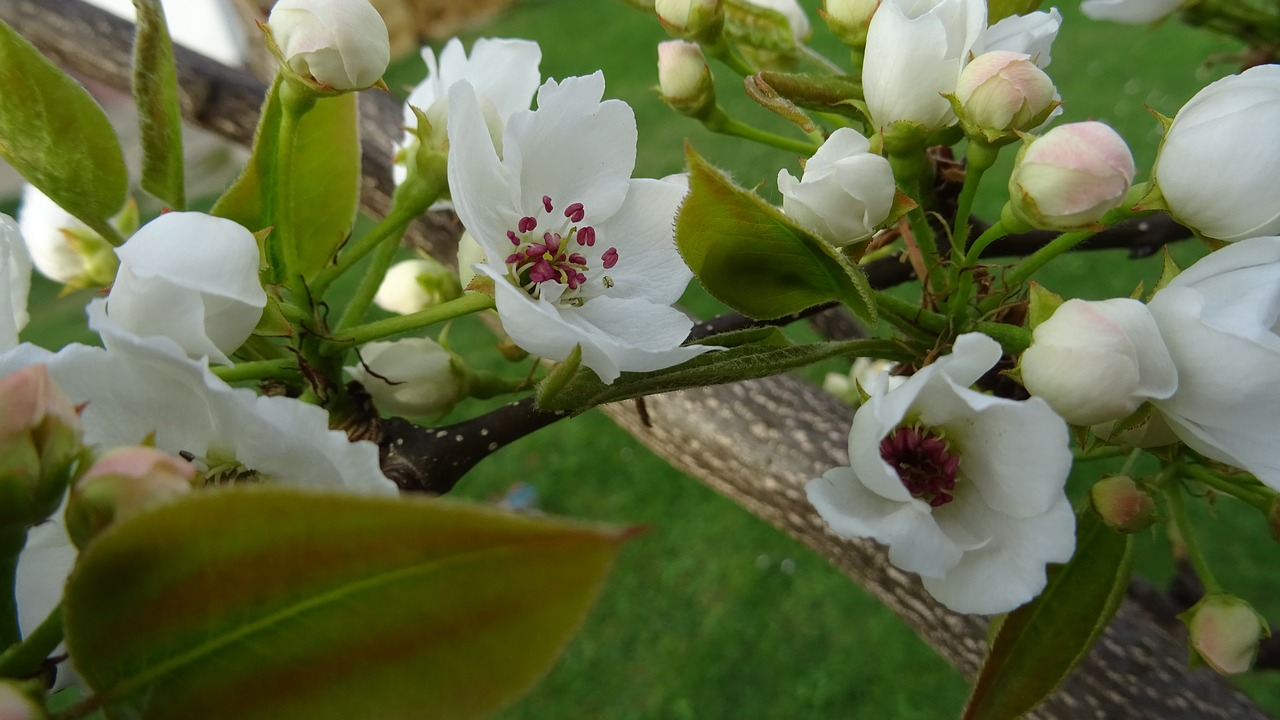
x,y
63,249
503,72
1071,176
1214,143
580,254
845,192
684,79
1098,361
340,44
414,377
1003,90
191,277
15,274
413,285
965,488
915,51
848,19
1031,34
1220,319
797,18
1130,12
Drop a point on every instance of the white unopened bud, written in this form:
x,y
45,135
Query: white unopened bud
x,y
1098,361
685,79
62,248
692,19
1071,176
414,377
340,44
1003,90
417,284
849,19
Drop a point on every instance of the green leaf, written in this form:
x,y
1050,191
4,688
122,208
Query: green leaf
x,y
770,355
1040,643
755,259
155,90
270,603
55,135
326,180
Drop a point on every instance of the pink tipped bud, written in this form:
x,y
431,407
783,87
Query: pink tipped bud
x,y
121,484
1004,91
1225,632
1071,176
1122,504
40,441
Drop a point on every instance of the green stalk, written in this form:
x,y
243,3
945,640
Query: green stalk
x,y
1033,262
721,51
294,104
1178,510
392,225
980,158
1226,487
25,658
254,370
11,543
720,122
469,303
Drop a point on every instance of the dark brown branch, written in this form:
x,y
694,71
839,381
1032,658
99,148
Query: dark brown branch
x,y
757,442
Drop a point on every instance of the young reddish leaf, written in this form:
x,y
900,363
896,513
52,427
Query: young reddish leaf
x,y
757,260
275,603
1040,643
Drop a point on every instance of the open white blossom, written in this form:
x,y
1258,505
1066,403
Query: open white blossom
x,y
580,253
191,277
1220,319
965,488
503,72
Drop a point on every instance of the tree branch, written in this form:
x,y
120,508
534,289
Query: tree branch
x,y
756,442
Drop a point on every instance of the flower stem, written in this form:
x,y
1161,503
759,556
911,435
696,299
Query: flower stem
x,y
1106,453
1178,510
931,321
392,225
254,370
992,234
1129,462
11,543
294,104
1025,269
1213,480
25,658
720,122
721,51
469,303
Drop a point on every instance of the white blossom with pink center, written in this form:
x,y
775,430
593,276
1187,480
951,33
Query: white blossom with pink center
x,y
580,253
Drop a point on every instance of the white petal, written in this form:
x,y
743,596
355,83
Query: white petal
x,y
649,266
15,274
478,181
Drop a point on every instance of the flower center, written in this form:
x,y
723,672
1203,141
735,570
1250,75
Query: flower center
x,y
546,245
220,471
923,461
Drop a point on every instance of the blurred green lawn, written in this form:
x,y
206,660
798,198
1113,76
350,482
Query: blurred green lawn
x,y
713,614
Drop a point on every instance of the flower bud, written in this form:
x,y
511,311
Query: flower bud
x,y
417,284
40,442
413,377
849,19
16,704
333,44
1225,632
1122,504
1098,361
1215,142
1071,176
193,278
790,10
1130,12
845,192
64,249
685,79
121,484
1004,91
697,20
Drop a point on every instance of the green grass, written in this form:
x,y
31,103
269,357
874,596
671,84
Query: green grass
x,y
712,613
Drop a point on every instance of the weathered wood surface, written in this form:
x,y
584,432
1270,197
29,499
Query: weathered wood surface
x,y
756,442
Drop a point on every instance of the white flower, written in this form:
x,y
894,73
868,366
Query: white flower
x,y
1218,141
413,285
504,74
43,567
1130,12
1220,319
413,377
796,17
191,277
1071,176
341,44
684,79
1098,361
915,51
965,488
15,274
580,254
845,192
1031,34
64,249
